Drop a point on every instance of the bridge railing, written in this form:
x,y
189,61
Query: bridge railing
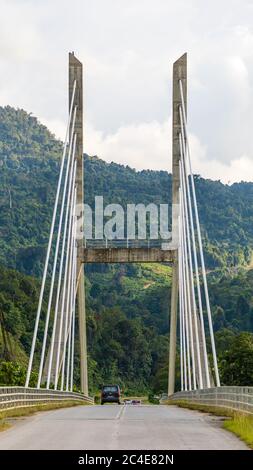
x,y
20,397
233,398
125,243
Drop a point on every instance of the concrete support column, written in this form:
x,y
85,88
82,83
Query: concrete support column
x,y
76,74
179,73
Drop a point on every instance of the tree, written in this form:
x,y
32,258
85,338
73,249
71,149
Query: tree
x,y
219,319
236,365
13,373
242,307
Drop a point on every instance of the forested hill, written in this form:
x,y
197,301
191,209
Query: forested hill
x,y
29,166
226,212
127,305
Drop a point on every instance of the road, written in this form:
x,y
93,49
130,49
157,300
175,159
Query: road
x,y
119,427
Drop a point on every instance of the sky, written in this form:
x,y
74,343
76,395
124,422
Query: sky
x,y
128,48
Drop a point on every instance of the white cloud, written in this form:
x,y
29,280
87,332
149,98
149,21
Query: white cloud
x,y
20,39
57,127
148,145
239,169
128,49
136,145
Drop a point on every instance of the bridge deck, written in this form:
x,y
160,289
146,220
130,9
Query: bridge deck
x,y
120,427
127,255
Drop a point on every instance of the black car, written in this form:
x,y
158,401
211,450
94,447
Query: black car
x,y
110,394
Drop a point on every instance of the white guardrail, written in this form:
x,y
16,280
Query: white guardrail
x,y
234,398
125,243
20,397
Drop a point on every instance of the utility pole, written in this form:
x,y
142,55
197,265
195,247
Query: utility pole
x,y
76,75
179,73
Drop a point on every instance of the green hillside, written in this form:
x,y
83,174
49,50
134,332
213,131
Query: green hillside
x,y
127,305
29,166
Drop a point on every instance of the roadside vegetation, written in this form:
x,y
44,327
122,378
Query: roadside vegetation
x,y
242,426
4,425
239,423
5,415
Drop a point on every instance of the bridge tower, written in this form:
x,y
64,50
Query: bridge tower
x,y
179,73
76,76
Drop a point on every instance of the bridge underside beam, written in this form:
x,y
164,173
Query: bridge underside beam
x,y
127,255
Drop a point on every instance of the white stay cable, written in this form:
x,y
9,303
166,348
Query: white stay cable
x,y
196,326
183,263
72,299
65,278
29,369
196,269
181,294
206,366
184,338
68,296
56,251
188,289
69,353
69,302
69,333
73,296
73,324
200,244
70,184
181,319
69,343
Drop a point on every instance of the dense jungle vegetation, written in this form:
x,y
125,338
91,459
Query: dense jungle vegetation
x,y
127,305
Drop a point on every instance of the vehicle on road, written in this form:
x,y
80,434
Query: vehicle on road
x,y
110,394
129,401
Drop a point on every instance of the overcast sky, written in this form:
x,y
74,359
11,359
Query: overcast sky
x,y
128,48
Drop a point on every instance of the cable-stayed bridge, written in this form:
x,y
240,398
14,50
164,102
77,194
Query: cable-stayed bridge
x,y
191,330
69,249
67,253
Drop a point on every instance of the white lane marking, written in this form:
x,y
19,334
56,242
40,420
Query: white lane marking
x,y
121,412
116,431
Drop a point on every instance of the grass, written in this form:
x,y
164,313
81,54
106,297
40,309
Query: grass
x,y
160,270
215,410
30,410
241,424
4,425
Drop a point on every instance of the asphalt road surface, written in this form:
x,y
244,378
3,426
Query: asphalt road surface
x,y
119,427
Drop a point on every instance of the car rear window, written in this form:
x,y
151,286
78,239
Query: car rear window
x,y
110,389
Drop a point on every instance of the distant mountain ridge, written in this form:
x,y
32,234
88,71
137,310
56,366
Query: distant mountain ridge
x,y
128,305
29,166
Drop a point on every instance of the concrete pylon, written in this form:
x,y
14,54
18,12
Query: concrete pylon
x,y
179,73
76,74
